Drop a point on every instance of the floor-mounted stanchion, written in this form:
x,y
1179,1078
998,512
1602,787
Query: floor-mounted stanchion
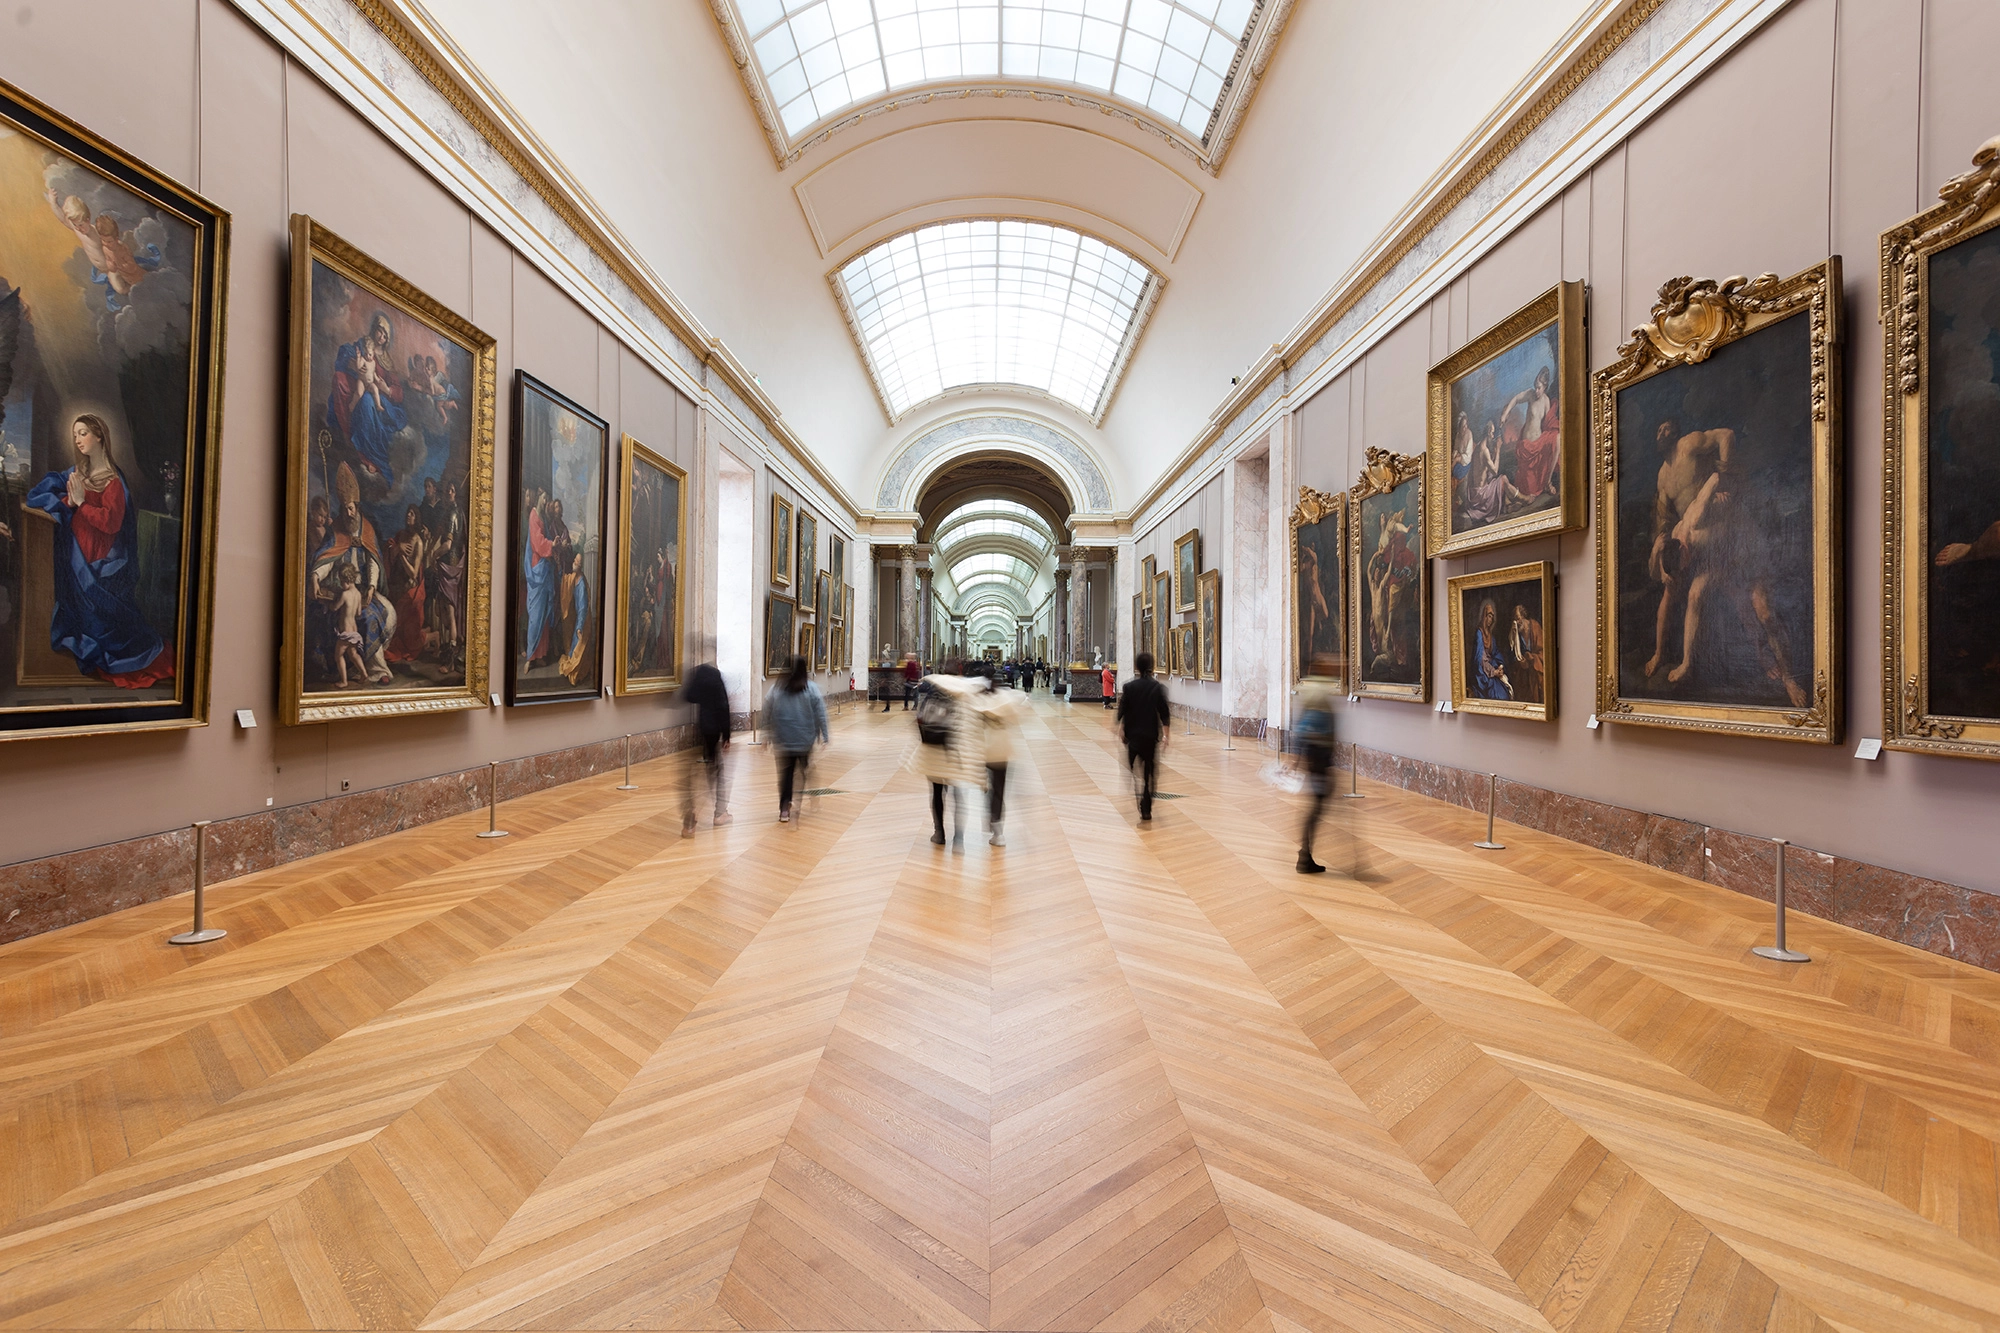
x,y
753,728
1489,845
202,932
627,784
1354,792
1779,951
493,830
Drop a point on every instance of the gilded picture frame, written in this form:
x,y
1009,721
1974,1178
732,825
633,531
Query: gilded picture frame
x,y
805,557
1163,597
1507,668
1187,654
1941,491
1388,621
1187,568
822,619
836,558
558,446
781,612
1319,586
1208,625
781,541
1760,359
637,668
1138,623
317,251
1488,396
97,356
1149,569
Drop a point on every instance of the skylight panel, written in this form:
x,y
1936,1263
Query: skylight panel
x,y
819,57
994,302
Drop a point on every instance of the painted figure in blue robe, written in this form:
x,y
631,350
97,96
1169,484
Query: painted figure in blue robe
x,y
541,578
366,399
1489,667
97,620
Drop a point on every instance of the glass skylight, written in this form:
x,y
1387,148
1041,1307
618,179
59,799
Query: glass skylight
x,y
994,302
966,529
969,570
1168,56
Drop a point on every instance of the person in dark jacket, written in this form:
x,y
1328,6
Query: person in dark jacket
x,y
709,697
1144,721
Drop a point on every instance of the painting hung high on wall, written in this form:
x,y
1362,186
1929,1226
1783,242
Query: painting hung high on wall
x,y
389,527
836,557
1506,417
1149,570
1187,566
822,619
781,541
805,558
1163,602
1138,624
1503,641
1208,626
652,544
1941,602
1319,590
1390,624
1719,585
780,625
555,597
111,336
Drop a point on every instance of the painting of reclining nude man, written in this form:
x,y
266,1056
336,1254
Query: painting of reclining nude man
x,y
391,467
110,315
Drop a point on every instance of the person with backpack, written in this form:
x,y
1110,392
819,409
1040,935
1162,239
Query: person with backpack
x,y
1315,755
798,718
950,749
1144,720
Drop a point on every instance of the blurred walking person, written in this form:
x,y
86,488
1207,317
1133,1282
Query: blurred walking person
x,y
1144,721
912,673
706,693
951,750
798,718
1315,755
999,714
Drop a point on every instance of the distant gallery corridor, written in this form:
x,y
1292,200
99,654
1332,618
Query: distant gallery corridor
x,y
827,1075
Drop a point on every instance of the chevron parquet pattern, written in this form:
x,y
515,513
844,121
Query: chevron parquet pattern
x,y
826,1075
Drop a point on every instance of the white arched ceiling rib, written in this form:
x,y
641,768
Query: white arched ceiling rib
x,y
987,518
996,302
1170,57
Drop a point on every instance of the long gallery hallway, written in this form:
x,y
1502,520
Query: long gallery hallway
x,y
829,1076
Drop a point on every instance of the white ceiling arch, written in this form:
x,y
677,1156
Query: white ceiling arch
x,y
1054,452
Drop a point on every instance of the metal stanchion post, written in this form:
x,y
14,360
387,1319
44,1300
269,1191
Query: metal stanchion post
x,y
753,728
1779,951
627,784
202,932
1492,785
1354,792
493,803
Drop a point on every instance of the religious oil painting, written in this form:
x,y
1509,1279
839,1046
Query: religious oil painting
x,y
1147,641
805,560
1163,605
389,522
652,546
111,341
1390,623
1138,623
1319,592
1941,598
1507,429
1208,626
1186,649
781,541
1719,560
1503,648
1187,567
780,622
836,560
822,619
1149,569
555,600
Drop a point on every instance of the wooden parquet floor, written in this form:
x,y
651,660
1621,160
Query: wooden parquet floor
x,y
826,1075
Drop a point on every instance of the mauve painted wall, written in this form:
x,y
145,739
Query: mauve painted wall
x,y
265,140
1834,122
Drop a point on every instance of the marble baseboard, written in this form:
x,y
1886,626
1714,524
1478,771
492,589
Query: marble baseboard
x,y
54,891
1214,721
1948,919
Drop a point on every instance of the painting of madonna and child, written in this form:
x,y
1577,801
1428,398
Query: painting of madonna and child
x,y
391,410
556,596
109,316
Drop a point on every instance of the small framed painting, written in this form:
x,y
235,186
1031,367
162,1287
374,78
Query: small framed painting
x,y
805,557
781,615
1163,600
1187,647
836,557
822,619
1148,569
1187,565
1208,626
781,541
1503,642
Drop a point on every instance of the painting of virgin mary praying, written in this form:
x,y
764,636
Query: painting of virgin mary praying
x,y
110,342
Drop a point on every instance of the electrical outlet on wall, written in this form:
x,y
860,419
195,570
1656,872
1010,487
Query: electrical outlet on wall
x,y
343,784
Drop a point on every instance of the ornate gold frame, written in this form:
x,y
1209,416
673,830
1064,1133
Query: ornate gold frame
x,y
1563,306
1149,569
1968,204
525,384
822,654
1183,595
202,456
1457,585
1384,472
805,555
1691,319
771,600
312,242
1186,645
1207,584
781,541
624,682
1315,507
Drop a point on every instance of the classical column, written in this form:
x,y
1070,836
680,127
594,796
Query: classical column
x,y
906,622
1113,611
1079,588
926,618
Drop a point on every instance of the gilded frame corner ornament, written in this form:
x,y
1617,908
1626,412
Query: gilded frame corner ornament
x,y
1461,701
624,682
312,243
1563,306
1315,507
1691,320
1383,472
1968,205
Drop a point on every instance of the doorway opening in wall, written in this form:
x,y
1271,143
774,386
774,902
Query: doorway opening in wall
x,y
735,534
